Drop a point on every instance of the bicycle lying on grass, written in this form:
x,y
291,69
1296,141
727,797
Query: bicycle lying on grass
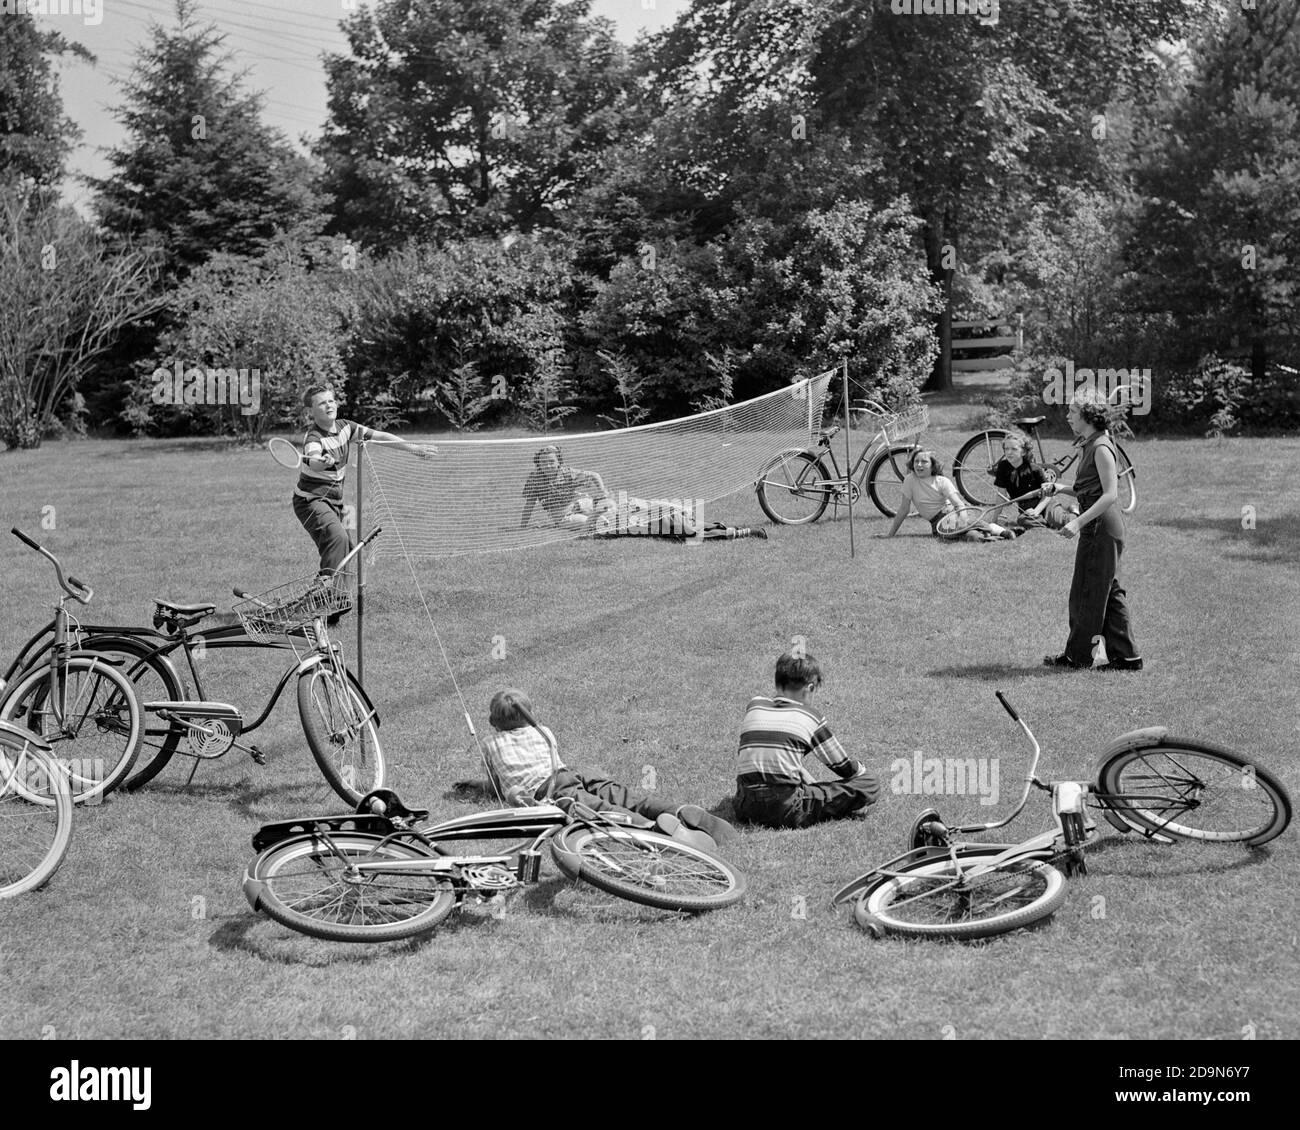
x,y
75,702
1162,787
976,462
380,875
35,811
338,719
797,485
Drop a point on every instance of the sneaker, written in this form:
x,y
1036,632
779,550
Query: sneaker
x,y
1122,665
693,816
669,825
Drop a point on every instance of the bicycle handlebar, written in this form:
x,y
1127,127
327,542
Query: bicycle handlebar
x,y
1007,706
70,585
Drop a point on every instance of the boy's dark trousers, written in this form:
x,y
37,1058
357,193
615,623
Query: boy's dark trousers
x,y
323,519
603,794
799,806
1097,600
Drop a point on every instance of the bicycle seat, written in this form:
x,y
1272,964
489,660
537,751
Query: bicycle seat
x,y
185,609
15,737
1031,421
179,615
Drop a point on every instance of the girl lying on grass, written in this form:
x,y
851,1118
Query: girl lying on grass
x,y
933,495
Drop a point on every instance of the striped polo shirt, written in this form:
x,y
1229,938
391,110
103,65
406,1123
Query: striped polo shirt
x,y
319,482
777,734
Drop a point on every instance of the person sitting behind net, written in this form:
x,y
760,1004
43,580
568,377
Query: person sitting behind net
x,y
933,494
520,763
772,786
570,497
1015,475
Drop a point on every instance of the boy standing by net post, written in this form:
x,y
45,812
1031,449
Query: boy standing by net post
x,y
318,497
772,786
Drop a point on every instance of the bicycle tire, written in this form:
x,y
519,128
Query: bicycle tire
x,y
155,680
1233,799
348,751
885,477
1127,481
304,887
34,837
962,913
794,477
972,469
98,766
648,868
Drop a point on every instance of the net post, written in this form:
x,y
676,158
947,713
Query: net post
x,y
361,568
848,456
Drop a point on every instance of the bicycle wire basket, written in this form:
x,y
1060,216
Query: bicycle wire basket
x,y
900,426
291,607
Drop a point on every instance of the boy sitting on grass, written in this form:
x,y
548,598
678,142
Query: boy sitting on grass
x,y
521,766
772,786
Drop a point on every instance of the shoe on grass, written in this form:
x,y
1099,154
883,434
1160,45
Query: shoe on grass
x,y
1122,665
693,816
1062,660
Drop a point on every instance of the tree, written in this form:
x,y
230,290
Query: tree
x,y
966,119
466,116
35,136
1217,244
199,173
63,298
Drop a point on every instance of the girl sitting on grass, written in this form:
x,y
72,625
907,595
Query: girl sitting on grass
x,y
933,495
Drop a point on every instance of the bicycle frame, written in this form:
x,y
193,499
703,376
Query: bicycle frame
x,y
164,649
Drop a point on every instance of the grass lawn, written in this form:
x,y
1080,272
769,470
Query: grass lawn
x,y
641,655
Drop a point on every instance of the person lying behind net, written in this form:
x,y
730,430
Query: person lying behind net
x,y
520,764
933,494
772,786
570,497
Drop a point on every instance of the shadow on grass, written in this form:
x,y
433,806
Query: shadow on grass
x,y
268,940
1274,541
992,672
1231,857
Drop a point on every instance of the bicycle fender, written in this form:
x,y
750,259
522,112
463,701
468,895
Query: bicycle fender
x,y
316,660
253,889
565,857
1134,739
131,646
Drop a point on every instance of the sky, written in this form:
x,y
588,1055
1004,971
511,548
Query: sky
x,y
279,42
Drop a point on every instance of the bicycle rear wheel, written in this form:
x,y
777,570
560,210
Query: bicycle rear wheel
x,y
931,899
34,837
1195,791
1127,474
648,868
794,488
972,470
154,680
885,477
342,730
312,885
95,735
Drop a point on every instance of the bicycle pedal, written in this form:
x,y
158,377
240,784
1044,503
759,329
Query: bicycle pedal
x,y
257,755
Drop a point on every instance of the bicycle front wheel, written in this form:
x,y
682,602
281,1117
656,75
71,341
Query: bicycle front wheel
x,y
932,899
1195,791
794,488
972,470
342,730
92,722
34,837
314,886
648,868
885,478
